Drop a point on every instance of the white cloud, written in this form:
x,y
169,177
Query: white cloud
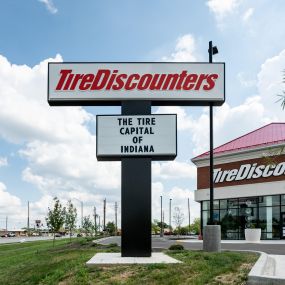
x,y
184,121
222,8
185,49
10,206
270,84
3,161
244,81
26,115
247,15
49,5
173,170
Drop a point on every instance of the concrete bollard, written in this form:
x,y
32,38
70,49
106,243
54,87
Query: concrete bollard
x,y
212,238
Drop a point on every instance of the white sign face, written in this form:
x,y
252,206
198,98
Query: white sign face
x,y
110,83
145,135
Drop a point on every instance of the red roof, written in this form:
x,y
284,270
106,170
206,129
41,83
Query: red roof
x,y
271,134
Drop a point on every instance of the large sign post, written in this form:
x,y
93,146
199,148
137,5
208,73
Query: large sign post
x,y
137,137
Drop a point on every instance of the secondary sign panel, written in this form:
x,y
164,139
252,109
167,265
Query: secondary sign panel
x,y
163,83
132,136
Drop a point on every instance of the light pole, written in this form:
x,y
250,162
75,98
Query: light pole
x,y
161,230
95,217
211,232
81,203
116,225
188,215
170,229
28,222
212,51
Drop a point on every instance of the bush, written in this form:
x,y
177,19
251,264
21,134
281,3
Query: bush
x,y
176,247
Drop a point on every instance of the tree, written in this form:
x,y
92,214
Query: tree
x,y
55,217
87,225
154,227
282,96
111,228
70,217
195,226
178,218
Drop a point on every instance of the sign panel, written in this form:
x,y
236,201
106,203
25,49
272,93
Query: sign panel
x,y
163,83
132,136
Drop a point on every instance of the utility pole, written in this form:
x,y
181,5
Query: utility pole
x,y
104,215
161,230
95,224
99,223
28,222
189,215
170,229
81,214
116,226
81,204
6,224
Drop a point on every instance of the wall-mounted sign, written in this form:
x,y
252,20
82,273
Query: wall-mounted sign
x,y
111,83
249,171
132,136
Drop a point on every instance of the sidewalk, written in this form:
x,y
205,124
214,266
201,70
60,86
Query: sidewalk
x,y
278,241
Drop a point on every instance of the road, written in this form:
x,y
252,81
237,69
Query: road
x,y
25,239
158,243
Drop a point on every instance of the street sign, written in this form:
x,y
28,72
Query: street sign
x,y
162,83
136,136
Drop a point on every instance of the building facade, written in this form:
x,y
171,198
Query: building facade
x,y
249,184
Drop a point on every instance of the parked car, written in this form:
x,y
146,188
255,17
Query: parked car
x,y
4,235
58,235
11,235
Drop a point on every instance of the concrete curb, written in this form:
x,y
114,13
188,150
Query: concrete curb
x,y
263,272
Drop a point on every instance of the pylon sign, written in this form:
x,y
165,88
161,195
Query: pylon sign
x,y
162,83
136,136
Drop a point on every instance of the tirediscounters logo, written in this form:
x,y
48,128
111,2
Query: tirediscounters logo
x,y
112,83
249,171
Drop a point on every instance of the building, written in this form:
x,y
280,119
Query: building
x,y
249,184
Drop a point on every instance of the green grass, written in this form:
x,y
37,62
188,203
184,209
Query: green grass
x,y
41,263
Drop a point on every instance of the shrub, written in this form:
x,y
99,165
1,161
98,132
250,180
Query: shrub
x,y
176,247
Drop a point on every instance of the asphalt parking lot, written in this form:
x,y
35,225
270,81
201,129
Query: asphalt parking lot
x,y
160,243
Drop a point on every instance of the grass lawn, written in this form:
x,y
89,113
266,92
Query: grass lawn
x,y
41,263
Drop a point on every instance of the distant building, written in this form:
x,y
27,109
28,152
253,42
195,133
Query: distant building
x,y
249,183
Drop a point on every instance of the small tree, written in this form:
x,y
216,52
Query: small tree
x,y
111,228
70,217
87,225
195,226
55,217
154,227
178,218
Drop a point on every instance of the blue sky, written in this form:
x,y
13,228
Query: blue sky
x,y
41,153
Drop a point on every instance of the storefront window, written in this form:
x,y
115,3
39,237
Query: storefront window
x,y
206,205
232,203
216,204
269,219
235,215
249,202
282,199
206,217
223,204
269,201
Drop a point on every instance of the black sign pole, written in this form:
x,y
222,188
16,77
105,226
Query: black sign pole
x,y
211,221
136,195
